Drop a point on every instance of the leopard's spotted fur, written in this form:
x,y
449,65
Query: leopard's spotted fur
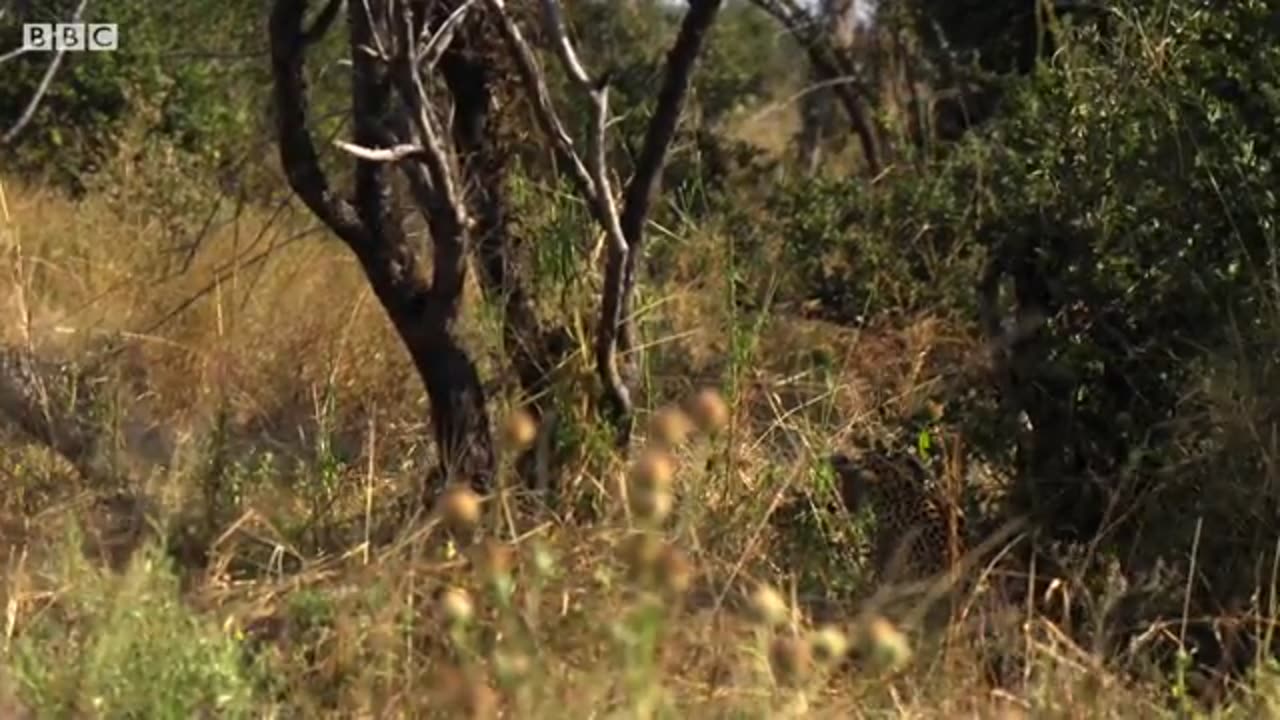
x,y
50,401
74,409
917,536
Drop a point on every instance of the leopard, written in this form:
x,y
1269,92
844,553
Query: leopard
x,y
86,410
50,401
918,535
77,410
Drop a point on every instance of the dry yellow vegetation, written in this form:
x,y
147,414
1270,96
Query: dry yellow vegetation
x,y
294,421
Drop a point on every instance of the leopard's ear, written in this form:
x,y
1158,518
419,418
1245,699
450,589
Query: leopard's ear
x,y
840,462
850,470
851,480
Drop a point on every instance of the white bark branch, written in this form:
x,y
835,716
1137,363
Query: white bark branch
x,y
426,127
433,47
554,20
45,83
394,154
593,176
536,85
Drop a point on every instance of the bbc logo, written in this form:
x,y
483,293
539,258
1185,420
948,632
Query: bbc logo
x,y
72,37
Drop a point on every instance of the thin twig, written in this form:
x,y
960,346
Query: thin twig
x,y
21,50
536,86
437,43
45,83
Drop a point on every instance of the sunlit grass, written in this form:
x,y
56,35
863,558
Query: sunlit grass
x,y
295,412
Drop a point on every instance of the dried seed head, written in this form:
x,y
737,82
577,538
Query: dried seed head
x,y
670,427
511,665
640,553
767,606
653,471
828,645
789,658
708,410
544,562
493,559
460,507
673,570
886,646
651,506
466,694
456,606
519,431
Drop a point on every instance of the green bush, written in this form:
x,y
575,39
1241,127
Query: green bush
x,y
1128,188
182,71
126,646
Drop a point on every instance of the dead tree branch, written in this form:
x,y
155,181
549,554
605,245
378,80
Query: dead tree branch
x,y
388,155
653,153
593,179
544,110
624,231
383,36
440,38
45,83
833,65
482,90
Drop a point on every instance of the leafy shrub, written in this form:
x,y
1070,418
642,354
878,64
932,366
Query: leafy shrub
x,y
126,646
170,73
1127,189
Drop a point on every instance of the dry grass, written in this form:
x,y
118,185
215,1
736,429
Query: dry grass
x,y
292,406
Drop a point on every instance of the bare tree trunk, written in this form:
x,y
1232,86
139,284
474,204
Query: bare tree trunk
x,y
624,230
835,66
424,312
534,351
838,22
644,184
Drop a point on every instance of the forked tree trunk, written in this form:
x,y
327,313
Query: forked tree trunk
x,y
834,65
624,230
477,84
423,311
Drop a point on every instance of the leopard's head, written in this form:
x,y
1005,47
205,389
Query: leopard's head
x,y
854,480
